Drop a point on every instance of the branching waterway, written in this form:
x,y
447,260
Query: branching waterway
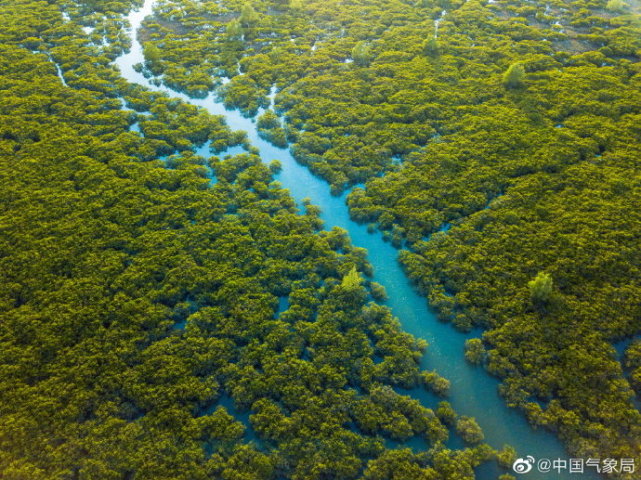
x,y
473,392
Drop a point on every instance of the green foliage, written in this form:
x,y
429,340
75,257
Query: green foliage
x,y
398,465
437,384
153,58
106,249
234,30
632,362
616,5
541,288
506,456
361,54
519,193
446,413
269,127
139,300
378,291
352,281
275,166
475,351
268,120
248,16
469,430
431,47
514,76
295,5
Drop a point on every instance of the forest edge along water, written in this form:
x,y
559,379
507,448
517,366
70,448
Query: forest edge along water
x,y
473,392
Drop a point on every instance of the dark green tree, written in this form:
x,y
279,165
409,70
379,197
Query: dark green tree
x,y
514,76
475,351
431,47
361,54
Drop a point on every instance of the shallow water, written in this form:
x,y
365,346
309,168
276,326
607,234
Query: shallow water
x,y
473,392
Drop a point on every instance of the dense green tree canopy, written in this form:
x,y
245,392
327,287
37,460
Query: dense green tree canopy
x,y
140,336
516,126
140,331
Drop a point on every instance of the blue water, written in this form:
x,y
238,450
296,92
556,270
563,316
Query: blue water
x,y
473,392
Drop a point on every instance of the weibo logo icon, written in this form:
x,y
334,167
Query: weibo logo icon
x,y
523,465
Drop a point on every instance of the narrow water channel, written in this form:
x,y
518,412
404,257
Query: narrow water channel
x,y
473,392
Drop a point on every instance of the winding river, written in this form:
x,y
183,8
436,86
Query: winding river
x,y
473,392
